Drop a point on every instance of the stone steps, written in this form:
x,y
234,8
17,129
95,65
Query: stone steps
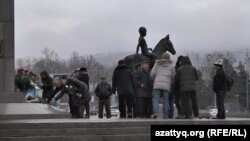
x,y
139,137
75,130
113,129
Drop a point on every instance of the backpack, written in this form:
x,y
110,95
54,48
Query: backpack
x,y
230,82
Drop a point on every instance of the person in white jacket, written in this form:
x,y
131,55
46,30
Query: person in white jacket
x,y
163,74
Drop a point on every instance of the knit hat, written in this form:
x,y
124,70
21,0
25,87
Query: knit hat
x,y
165,56
219,62
121,62
31,73
20,70
83,69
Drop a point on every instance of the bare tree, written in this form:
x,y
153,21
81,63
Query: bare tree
x,y
27,62
76,61
50,62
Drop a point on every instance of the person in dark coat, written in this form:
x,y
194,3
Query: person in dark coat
x,y
18,80
135,106
186,78
176,91
84,77
220,88
79,94
144,86
103,91
47,86
122,82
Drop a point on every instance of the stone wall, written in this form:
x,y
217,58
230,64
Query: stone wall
x,y
7,46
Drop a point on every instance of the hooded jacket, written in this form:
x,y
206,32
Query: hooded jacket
x,y
84,78
47,82
186,76
163,74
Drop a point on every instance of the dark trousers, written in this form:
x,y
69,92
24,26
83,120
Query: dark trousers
x,y
86,107
125,105
135,107
104,103
220,97
189,103
177,101
145,107
75,111
70,104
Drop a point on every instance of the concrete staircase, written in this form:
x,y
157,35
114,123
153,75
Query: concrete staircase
x,y
14,111
94,129
77,130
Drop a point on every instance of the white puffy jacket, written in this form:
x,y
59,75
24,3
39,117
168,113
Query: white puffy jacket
x,y
163,74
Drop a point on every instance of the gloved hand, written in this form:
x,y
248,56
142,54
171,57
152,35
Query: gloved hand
x,y
78,95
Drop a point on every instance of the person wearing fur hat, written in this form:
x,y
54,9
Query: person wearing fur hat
x,y
162,74
220,88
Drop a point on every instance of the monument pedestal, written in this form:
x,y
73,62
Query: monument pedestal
x,y
7,50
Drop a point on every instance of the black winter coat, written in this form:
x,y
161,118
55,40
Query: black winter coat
x,y
103,91
84,78
220,82
122,81
73,87
186,78
144,84
47,87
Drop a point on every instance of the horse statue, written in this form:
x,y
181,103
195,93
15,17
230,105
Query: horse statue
x,y
164,45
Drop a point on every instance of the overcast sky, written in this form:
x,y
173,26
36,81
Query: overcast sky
x,y
101,26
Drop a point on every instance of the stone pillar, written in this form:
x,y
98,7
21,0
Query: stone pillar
x,y
7,70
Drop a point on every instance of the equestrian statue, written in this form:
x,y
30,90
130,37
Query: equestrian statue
x,y
164,45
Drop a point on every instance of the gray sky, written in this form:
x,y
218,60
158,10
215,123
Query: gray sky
x,y
102,26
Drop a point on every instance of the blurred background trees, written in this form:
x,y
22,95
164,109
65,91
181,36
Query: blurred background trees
x,y
234,67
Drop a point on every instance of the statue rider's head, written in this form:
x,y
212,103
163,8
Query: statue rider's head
x,y
143,31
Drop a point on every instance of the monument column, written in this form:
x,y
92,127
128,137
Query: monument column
x,y
7,50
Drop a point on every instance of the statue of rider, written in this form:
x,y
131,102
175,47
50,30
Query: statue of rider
x,y
142,43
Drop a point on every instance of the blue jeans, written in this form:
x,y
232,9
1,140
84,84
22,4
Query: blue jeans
x,y
171,105
156,99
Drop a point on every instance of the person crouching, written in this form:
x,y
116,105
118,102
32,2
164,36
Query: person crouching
x,y
103,91
78,92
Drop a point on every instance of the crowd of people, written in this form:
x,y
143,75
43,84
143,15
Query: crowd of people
x,y
43,89
139,90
